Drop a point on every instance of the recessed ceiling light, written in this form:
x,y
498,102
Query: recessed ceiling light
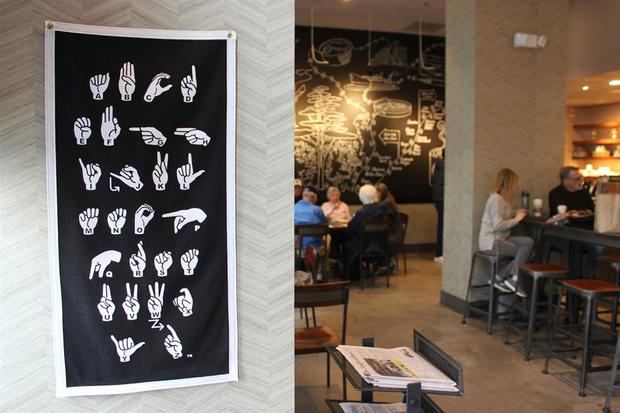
x,y
614,82
585,87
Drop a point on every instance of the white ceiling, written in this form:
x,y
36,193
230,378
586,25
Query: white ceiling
x,y
379,15
600,93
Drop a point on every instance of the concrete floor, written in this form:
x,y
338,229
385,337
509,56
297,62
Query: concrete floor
x,y
496,377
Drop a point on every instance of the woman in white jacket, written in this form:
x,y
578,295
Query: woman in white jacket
x,y
497,222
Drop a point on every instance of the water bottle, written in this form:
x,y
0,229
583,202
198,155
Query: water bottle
x,y
525,200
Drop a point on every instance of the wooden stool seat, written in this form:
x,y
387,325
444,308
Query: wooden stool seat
x,y
537,270
313,339
589,287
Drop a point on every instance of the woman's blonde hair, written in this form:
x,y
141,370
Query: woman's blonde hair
x,y
506,181
383,194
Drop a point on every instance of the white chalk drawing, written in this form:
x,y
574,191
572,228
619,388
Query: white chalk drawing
x,y
110,128
173,344
116,220
143,215
88,220
131,305
182,217
130,177
186,174
82,130
349,134
137,262
150,135
98,85
189,261
155,88
100,263
184,302
163,261
156,300
127,81
125,348
336,52
194,136
160,172
114,188
106,307
91,172
189,84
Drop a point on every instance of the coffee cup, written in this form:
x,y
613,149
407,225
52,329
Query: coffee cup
x,y
562,209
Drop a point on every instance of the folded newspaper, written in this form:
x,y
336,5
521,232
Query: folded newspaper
x,y
396,368
354,407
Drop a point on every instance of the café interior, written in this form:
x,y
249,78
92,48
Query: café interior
x,y
456,169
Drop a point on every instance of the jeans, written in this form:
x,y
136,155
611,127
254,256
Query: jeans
x,y
518,247
439,242
592,251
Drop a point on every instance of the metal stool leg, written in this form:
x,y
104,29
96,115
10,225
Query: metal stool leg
x,y
511,315
491,301
587,352
554,322
471,276
614,304
532,321
612,382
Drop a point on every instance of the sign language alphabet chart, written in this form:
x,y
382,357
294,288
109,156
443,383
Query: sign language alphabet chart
x,y
140,145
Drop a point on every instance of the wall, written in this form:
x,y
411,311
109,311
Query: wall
x,y
506,109
264,206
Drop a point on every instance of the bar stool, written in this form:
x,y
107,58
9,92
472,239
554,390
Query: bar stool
x,y
613,261
612,380
539,274
590,291
493,260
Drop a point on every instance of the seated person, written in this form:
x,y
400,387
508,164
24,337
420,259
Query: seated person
x,y
298,184
369,211
497,220
571,193
335,210
306,212
388,203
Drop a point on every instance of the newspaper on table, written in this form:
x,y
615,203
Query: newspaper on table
x,y
357,407
396,368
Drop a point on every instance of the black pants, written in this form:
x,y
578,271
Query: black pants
x,y
439,242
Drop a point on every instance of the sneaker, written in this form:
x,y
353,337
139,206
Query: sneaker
x,y
511,283
501,285
438,260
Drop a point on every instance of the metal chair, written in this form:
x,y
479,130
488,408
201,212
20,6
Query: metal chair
x,y
493,259
374,245
539,274
310,230
590,291
613,261
404,219
612,380
315,339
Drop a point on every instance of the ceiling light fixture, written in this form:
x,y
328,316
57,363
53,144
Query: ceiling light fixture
x,y
585,87
614,82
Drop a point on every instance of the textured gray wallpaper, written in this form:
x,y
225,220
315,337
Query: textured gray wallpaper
x,y
265,32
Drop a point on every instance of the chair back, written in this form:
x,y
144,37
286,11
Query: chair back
x,y
404,219
325,295
311,260
310,230
439,359
374,232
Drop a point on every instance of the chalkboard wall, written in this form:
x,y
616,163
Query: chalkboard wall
x,y
368,110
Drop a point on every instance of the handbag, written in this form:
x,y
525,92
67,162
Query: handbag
x,y
607,214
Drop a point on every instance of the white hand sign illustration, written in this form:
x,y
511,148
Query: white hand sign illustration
x,y
173,344
189,260
194,136
110,128
116,220
81,130
125,348
156,300
91,172
130,177
150,135
106,307
127,81
101,262
160,173
188,86
144,214
163,261
183,217
184,302
155,88
186,174
88,220
98,85
131,304
137,262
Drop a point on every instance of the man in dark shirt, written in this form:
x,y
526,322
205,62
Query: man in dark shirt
x,y
571,193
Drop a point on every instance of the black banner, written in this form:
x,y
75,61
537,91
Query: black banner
x,y
140,127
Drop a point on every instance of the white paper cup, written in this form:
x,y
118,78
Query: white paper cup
x,y
562,209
